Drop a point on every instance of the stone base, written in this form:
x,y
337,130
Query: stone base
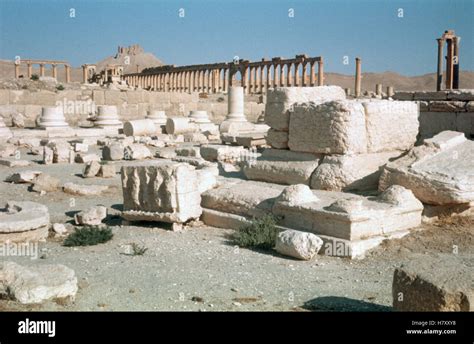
x,y
232,127
281,172
332,246
33,235
335,214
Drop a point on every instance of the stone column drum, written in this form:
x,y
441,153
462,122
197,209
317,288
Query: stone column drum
x,y
52,118
141,127
107,116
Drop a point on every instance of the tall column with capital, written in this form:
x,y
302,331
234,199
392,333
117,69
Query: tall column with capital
x,y
439,72
41,69
449,64
456,63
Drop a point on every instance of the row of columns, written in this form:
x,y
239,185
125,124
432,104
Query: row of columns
x,y
254,78
54,70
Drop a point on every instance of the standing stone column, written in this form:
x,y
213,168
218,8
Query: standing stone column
x,y
225,81
296,76
312,76
235,120
84,74
68,73
281,81
456,63
54,71
17,70
439,72
321,72
245,81
41,71
252,80
357,78
288,74
378,89
390,91
449,65
30,70
260,79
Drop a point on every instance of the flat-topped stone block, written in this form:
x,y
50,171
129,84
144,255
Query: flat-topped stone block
x,y
160,191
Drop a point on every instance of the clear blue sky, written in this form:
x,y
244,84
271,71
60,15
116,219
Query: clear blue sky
x,y
216,31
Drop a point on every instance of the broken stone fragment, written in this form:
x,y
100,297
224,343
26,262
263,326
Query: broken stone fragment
x,y
59,228
86,158
92,216
37,284
297,244
107,171
45,183
84,190
113,151
91,169
136,152
297,194
439,283
23,177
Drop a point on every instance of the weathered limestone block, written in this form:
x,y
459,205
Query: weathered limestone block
x,y
84,190
390,125
106,171
91,217
222,153
39,283
7,150
281,100
91,169
277,139
193,151
86,158
136,152
351,172
336,127
154,191
447,106
62,152
245,198
461,94
282,167
432,123
281,172
207,178
23,177
114,151
45,183
12,162
81,147
417,288
439,172
297,244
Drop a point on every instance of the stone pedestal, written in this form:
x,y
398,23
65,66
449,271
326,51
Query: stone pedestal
x,y
52,118
5,132
203,122
158,117
107,116
235,121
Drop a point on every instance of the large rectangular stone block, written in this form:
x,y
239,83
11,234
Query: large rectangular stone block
x,y
277,139
154,191
336,127
391,125
432,123
281,99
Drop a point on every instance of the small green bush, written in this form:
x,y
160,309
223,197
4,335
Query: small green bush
x,y
88,236
60,87
261,233
35,77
